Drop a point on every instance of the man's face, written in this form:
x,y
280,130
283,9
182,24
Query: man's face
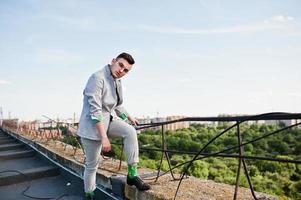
x,y
120,67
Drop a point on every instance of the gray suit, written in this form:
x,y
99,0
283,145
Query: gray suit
x,y
102,101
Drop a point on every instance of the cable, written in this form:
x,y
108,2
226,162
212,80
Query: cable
x,y
28,186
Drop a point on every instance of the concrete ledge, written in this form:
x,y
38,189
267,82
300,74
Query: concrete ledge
x,y
118,183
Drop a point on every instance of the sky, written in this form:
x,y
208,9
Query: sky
x,y
193,58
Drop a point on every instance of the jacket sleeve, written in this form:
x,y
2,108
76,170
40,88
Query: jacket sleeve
x,y
93,92
121,112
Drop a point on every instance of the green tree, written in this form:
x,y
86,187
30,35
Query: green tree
x,y
199,169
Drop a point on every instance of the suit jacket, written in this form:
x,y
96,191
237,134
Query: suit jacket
x,y
102,99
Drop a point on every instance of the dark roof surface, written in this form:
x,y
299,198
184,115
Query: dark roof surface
x,y
25,174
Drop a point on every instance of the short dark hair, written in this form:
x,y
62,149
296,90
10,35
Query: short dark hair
x,y
127,57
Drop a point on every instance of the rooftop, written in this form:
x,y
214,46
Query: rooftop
x,y
50,180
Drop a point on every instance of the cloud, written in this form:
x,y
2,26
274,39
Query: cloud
x,y
4,82
280,19
185,80
295,95
84,23
275,22
56,56
235,29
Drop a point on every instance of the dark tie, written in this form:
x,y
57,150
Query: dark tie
x,y
117,84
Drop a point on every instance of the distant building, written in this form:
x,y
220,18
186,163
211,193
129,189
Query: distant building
x,y
173,126
177,125
248,122
146,120
285,122
157,120
48,124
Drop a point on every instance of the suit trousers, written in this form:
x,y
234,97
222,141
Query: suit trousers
x,y
92,148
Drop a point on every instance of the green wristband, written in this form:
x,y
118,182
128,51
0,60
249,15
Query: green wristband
x,y
123,116
97,119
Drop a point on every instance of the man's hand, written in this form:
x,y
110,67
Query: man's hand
x,y
133,121
106,145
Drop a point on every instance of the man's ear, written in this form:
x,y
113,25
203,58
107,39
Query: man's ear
x,y
113,61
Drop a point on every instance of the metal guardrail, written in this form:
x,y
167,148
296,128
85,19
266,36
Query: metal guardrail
x,y
238,120
240,147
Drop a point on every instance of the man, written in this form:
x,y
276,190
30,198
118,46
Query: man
x,y
103,116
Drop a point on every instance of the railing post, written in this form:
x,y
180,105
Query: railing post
x,y
242,161
162,154
240,150
166,153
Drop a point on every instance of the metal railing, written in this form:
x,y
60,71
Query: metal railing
x,y
199,155
238,120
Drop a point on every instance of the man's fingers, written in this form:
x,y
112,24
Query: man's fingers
x,y
106,149
135,122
